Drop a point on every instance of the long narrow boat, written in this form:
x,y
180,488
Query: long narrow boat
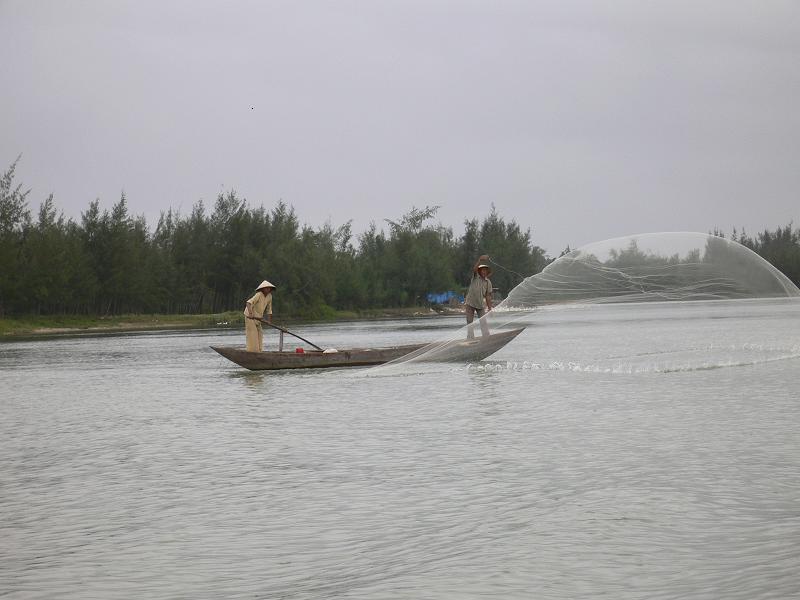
x,y
463,350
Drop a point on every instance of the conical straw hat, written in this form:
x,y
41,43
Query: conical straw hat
x,y
265,284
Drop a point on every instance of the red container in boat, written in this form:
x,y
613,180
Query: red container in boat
x,y
299,350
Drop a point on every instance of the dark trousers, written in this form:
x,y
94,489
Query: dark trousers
x,y
471,310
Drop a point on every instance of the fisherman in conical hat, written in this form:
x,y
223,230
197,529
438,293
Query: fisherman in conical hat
x,y
479,295
260,303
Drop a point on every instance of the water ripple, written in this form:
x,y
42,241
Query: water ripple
x,y
173,475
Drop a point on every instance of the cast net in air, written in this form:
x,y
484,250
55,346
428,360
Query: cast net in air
x,y
654,267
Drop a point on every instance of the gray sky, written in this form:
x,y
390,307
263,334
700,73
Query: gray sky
x,y
581,120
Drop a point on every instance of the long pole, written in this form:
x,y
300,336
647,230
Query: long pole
x,y
284,330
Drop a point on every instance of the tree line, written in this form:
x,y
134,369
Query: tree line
x,y
209,261
780,247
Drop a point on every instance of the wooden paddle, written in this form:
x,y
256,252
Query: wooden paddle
x,y
284,330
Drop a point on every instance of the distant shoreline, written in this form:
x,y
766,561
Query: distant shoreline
x,y
58,325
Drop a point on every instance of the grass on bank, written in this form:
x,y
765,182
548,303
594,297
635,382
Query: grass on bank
x,y
32,325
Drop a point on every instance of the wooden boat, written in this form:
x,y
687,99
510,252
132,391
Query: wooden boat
x,y
476,348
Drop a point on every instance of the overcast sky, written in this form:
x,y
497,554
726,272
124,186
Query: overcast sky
x,y
581,120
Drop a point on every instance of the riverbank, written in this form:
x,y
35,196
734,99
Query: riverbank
x,y
34,326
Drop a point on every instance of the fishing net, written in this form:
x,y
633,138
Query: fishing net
x,y
655,267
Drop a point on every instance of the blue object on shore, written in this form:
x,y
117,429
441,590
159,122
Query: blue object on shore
x,y
443,297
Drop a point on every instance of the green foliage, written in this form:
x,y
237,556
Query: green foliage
x,y
510,249
110,263
14,223
780,247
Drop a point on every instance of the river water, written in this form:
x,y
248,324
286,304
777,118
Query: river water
x,y
641,451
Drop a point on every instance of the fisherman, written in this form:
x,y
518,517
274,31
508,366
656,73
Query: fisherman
x,y
260,303
479,296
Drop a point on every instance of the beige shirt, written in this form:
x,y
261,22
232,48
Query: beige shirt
x,y
260,304
476,293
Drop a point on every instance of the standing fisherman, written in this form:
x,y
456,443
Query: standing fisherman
x,y
479,295
260,303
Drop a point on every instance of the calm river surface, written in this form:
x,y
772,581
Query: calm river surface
x,y
648,451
